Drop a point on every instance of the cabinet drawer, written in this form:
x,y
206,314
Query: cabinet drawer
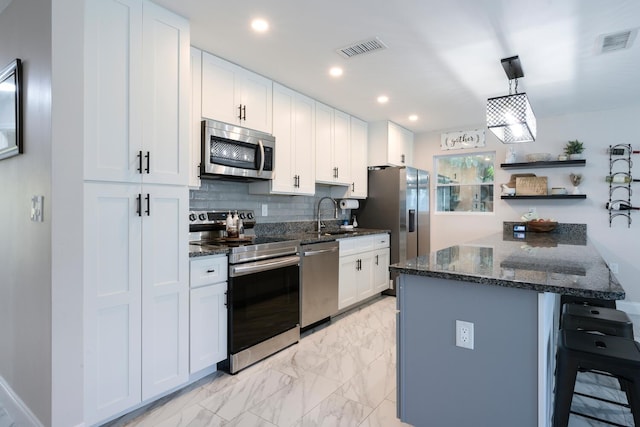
x,y
380,241
355,245
208,270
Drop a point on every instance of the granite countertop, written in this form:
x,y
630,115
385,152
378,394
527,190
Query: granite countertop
x,y
543,262
305,238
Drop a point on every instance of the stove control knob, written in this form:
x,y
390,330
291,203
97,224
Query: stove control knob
x,y
249,215
241,215
192,217
202,217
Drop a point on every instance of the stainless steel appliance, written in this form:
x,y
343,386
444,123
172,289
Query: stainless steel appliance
x,y
319,287
263,292
236,152
398,201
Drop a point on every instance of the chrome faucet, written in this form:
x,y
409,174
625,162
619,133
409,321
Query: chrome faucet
x,y
335,211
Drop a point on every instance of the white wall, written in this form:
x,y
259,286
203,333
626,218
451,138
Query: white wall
x,y
617,244
25,251
67,212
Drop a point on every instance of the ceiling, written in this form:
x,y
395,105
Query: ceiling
x,y
443,57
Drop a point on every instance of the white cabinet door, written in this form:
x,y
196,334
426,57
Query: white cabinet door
x,y
137,100
165,288
348,281
113,90
232,94
358,189
195,154
165,97
333,151
255,96
218,90
389,145
341,151
293,128
380,270
365,276
324,144
208,326
112,299
304,147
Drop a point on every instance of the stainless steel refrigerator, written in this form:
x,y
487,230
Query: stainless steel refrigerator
x,y
398,201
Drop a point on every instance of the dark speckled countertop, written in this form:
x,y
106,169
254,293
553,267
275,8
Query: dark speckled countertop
x,y
562,262
305,238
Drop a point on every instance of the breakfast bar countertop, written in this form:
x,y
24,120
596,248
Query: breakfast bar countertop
x,y
565,262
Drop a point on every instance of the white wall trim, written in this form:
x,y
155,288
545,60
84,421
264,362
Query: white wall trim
x,y
628,307
16,408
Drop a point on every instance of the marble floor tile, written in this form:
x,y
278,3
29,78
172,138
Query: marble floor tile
x,y
335,411
345,364
289,404
5,419
237,398
193,416
384,416
247,419
372,384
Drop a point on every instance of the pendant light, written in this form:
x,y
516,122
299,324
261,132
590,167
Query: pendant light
x,y
510,117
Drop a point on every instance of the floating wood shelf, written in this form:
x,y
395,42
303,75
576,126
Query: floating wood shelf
x,y
550,164
547,196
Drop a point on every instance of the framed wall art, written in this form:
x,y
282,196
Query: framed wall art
x,y
11,110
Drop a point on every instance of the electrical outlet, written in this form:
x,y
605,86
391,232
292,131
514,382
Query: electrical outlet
x,y
613,266
464,334
532,211
265,209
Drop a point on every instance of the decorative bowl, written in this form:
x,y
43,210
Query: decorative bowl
x,y
541,226
538,157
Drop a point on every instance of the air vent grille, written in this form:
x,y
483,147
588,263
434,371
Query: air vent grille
x,y
361,47
617,41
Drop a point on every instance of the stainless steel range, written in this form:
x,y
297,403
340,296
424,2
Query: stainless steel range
x,y
263,296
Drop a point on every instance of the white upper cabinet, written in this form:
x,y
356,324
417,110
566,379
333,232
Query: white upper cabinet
x,y
333,146
390,145
195,154
358,187
293,128
234,95
136,99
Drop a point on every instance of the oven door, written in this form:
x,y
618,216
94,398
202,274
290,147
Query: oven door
x,y
263,300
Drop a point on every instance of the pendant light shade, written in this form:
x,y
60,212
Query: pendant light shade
x,y
510,117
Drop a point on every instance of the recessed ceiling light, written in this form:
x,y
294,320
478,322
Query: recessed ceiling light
x,y
335,71
260,25
413,117
383,99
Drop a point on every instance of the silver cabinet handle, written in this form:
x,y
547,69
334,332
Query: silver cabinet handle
x,y
258,266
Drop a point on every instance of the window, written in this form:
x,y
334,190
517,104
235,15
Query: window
x,y
465,182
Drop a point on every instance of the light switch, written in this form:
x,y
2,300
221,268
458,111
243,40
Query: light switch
x,y
36,208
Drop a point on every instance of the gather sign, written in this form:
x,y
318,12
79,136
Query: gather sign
x,y
462,139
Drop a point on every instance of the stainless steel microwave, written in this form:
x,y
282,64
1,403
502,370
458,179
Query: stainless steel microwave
x,y
236,152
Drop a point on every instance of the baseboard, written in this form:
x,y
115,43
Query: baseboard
x,y
629,307
16,408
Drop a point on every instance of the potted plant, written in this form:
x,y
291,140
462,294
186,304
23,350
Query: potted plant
x,y
574,149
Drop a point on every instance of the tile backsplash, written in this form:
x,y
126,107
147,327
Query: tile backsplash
x,y
221,195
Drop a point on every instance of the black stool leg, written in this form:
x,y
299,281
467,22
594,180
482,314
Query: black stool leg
x,y
566,371
632,389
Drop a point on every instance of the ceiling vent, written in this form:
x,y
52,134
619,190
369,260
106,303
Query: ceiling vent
x,y
617,41
364,46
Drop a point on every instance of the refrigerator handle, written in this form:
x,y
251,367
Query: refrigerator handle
x,y
412,220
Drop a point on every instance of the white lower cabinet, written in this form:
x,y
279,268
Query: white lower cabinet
x,y
136,274
364,268
208,313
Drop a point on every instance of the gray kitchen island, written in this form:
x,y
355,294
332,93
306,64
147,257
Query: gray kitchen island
x,y
508,286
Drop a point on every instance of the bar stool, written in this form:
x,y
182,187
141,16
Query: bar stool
x,y
594,302
607,321
580,350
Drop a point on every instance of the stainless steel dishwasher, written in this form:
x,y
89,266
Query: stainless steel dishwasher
x,y
319,284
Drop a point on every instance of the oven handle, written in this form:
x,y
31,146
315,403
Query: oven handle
x,y
259,266
261,168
